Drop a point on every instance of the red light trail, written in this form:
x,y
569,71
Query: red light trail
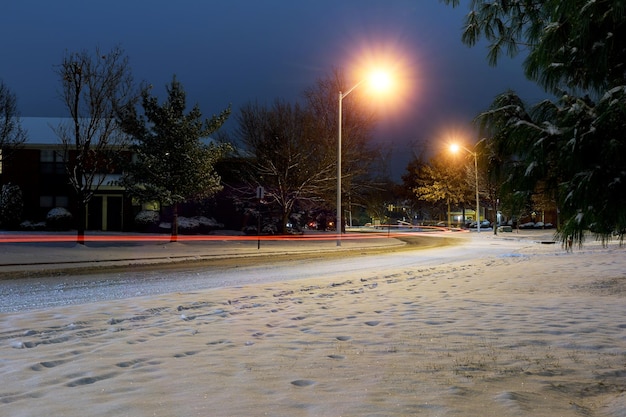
x,y
60,238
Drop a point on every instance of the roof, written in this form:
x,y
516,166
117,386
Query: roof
x,y
39,130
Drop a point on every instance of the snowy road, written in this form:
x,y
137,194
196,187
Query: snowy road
x,y
39,293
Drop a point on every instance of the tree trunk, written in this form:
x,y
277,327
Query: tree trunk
x,y
80,222
174,236
285,220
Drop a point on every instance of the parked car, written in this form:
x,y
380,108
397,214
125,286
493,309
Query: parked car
x,y
484,223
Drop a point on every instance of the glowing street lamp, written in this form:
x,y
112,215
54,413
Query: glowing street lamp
x,y
455,148
380,81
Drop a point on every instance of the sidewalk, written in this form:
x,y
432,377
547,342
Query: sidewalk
x,y
41,257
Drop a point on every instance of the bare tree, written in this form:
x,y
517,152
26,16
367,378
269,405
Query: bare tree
x,y
12,136
286,159
358,153
94,88
293,148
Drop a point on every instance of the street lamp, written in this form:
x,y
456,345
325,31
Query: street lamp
x,y
455,148
380,81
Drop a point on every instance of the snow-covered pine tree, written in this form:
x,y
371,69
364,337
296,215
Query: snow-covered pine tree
x,y
173,156
573,145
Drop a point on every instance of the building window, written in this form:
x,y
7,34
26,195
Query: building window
x,y
51,162
52,201
46,201
62,201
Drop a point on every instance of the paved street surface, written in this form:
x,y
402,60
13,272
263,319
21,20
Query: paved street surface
x,y
41,257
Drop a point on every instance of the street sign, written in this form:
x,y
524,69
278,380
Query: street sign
x,y
260,192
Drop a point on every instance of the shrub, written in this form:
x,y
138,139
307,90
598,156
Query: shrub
x,y
208,224
197,224
30,226
188,225
147,220
59,219
11,206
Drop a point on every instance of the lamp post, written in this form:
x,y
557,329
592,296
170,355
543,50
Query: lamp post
x,y
339,122
380,80
455,148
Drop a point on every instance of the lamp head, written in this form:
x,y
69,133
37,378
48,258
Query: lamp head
x,y
380,80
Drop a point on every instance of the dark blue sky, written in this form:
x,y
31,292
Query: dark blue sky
x,y
236,51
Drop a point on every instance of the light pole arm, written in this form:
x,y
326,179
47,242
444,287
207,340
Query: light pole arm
x,y
344,95
467,150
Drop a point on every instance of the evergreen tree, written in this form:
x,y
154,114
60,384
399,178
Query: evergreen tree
x,y
572,147
172,164
11,206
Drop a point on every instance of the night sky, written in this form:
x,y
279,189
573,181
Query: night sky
x,y
238,51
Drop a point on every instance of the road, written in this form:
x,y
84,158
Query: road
x,y
45,292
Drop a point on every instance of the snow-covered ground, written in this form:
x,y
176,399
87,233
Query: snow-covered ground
x,y
497,326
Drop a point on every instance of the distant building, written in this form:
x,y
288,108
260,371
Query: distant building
x,y
38,168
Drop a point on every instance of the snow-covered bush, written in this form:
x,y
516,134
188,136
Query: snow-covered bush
x,y
30,226
266,229
208,224
188,225
197,224
269,229
59,219
250,230
11,206
147,220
